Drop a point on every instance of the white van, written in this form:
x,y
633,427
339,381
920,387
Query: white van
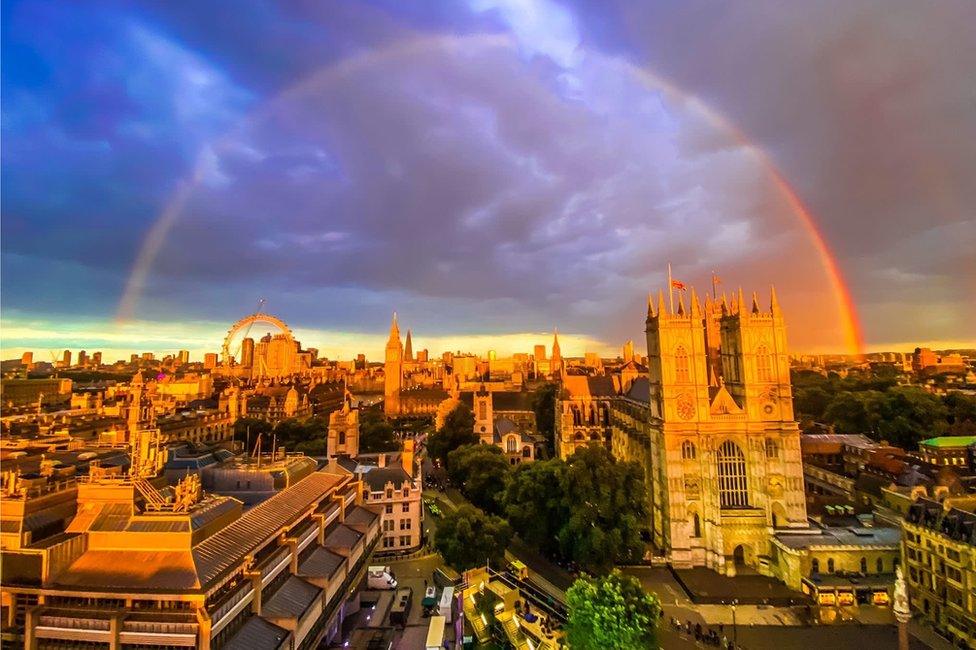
x,y
446,604
381,577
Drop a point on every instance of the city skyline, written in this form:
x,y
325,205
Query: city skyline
x,y
368,158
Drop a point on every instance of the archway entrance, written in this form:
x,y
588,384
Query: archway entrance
x,y
743,558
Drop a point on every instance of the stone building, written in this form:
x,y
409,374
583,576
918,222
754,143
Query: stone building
x,y
512,431
393,371
939,546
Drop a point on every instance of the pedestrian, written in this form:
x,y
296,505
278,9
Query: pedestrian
x,y
725,641
698,630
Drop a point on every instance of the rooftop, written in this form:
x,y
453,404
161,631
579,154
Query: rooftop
x,y
949,441
874,536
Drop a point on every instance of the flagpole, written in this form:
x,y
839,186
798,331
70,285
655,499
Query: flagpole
x,y
714,296
670,289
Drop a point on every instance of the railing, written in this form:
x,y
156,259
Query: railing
x,y
41,490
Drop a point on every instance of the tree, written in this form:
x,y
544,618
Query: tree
x,y
468,538
534,505
458,430
375,432
481,472
544,406
611,612
608,512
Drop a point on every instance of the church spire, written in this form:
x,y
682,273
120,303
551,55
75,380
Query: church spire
x,y
755,303
773,301
695,305
394,330
408,348
660,303
650,306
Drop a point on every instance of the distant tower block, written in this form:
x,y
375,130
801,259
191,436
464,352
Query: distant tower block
x,y
408,348
247,352
393,369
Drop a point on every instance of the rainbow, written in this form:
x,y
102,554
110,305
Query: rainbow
x,y
158,233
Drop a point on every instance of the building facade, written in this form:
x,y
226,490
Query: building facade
x,y
725,456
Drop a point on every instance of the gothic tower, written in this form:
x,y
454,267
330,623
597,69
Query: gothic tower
x,y
725,452
556,362
393,370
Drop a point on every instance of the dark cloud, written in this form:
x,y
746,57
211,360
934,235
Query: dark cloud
x,y
498,182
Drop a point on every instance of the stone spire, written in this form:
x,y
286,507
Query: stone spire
x,y
773,301
650,306
660,303
557,358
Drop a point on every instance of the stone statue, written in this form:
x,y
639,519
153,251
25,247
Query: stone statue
x,y
901,594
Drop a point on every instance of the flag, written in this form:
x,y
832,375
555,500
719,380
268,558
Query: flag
x,y
716,279
677,284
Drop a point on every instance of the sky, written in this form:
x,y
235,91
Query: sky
x,y
489,169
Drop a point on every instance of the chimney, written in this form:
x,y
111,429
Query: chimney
x,y
381,460
406,457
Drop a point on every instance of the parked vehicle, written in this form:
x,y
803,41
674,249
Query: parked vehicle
x,y
381,577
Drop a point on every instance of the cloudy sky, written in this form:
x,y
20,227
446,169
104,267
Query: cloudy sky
x,y
489,169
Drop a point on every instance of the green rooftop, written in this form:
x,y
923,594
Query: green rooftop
x,y
949,441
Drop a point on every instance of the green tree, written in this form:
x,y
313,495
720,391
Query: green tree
x,y
292,432
467,538
458,430
611,612
544,406
376,432
481,472
608,511
811,402
534,504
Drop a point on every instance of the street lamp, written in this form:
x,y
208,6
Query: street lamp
x,y
735,630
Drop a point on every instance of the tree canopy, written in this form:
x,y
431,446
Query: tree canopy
x,y
481,471
458,430
544,406
611,612
375,432
534,503
608,510
467,538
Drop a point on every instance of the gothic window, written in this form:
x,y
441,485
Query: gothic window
x,y
696,524
879,565
772,449
733,491
688,450
482,411
830,565
864,565
511,445
681,365
764,364
342,437
815,566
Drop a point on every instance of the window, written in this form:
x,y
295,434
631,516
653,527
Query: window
x,y
830,565
879,565
404,540
387,525
482,410
733,490
389,508
511,445
696,525
815,566
764,364
342,437
688,450
406,507
405,524
681,365
772,448
406,493
389,493
864,565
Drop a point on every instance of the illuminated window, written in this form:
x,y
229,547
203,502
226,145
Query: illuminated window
x,y
511,445
764,364
733,491
772,449
681,365
688,450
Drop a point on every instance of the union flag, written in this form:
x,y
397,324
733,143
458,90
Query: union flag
x,y
678,284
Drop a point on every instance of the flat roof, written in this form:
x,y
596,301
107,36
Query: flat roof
x,y
854,537
949,441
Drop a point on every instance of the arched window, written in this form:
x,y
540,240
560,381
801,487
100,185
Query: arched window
x,y
814,565
688,450
511,445
733,492
681,365
764,364
864,565
830,565
696,525
879,565
342,437
772,448
482,411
